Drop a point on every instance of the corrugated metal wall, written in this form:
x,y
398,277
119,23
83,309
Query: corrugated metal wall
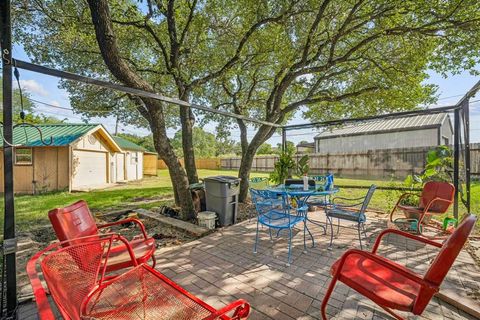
x,y
362,143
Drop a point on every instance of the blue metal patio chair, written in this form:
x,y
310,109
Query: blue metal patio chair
x,y
258,182
350,212
326,183
279,218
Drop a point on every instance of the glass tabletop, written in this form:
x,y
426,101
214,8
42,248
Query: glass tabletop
x,y
297,190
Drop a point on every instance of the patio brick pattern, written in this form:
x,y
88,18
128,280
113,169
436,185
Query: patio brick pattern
x,y
221,267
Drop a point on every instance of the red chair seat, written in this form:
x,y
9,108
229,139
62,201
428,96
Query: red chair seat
x,y
142,248
412,209
147,293
378,282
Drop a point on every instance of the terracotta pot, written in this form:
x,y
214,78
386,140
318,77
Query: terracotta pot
x,y
411,215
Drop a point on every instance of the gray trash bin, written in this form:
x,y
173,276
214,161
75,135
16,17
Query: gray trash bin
x,y
221,194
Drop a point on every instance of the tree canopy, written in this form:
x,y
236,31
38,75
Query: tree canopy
x,y
270,60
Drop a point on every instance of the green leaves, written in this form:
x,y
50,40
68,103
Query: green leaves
x,y
302,166
283,167
439,167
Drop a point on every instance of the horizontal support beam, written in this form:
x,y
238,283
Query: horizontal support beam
x,y
137,92
379,117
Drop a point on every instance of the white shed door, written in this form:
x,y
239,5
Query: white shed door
x,y
120,166
89,169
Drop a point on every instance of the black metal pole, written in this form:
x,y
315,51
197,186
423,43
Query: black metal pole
x,y
456,160
284,140
466,128
9,242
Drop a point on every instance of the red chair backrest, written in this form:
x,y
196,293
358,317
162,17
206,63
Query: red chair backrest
x,y
450,250
437,189
74,221
72,272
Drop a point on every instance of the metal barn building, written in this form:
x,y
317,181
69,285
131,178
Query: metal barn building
x,y
408,132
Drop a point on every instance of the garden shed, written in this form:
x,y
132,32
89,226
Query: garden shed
x,y
127,164
424,130
80,157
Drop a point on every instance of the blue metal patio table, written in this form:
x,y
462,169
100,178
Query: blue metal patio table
x,y
301,197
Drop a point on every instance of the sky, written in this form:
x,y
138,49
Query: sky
x,y
45,89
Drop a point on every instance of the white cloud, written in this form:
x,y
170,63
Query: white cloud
x,y
33,86
55,103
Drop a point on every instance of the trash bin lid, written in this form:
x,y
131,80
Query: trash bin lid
x,y
223,179
196,186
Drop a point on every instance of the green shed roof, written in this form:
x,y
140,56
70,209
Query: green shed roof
x,y
62,134
127,144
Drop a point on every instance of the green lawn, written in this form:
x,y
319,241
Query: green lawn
x,y
31,211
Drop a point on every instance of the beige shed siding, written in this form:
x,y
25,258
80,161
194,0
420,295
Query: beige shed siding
x,y
92,142
48,172
150,164
140,166
120,166
361,143
50,168
134,170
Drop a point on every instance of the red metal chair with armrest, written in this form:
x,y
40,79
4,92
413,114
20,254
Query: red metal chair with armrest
x,y
436,198
392,286
76,221
75,276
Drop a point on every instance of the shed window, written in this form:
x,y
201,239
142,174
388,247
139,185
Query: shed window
x,y
445,141
23,156
134,158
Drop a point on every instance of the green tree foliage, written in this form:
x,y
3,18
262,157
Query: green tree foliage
x,y
269,60
144,141
205,144
291,148
337,59
438,167
265,148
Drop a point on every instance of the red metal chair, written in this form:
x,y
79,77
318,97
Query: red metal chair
x,y
80,290
436,198
392,286
76,221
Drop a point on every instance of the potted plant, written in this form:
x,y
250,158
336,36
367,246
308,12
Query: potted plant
x,y
283,167
302,170
438,167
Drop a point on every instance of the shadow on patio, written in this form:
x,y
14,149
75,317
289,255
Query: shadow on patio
x,y
222,267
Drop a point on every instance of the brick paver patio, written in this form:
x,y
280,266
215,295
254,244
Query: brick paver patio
x,y
221,267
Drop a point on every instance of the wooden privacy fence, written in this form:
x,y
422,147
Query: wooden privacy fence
x,y
211,163
385,163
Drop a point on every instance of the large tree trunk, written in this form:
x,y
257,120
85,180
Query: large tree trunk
x,y
187,120
151,109
245,162
262,135
178,176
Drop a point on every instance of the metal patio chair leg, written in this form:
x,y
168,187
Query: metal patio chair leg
x,y
256,240
311,235
331,233
304,236
365,234
270,232
338,228
359,236
289,247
